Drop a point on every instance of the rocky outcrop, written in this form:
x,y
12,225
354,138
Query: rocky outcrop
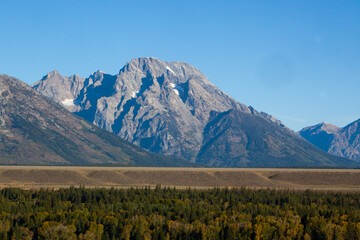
x,y
37,131
166,107
160,106
344,142
63,90
238,139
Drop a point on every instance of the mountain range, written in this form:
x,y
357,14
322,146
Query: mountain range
x,y
344,142
171,108
37,131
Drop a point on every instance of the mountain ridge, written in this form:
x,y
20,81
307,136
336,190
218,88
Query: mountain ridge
x,y
248,133
343,142
165,107
124,100
35,130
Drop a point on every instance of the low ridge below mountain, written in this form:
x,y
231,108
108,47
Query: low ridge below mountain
x,y
247,140
166,107
37,131
344,142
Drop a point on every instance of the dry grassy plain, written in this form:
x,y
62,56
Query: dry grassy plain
x,y
28,177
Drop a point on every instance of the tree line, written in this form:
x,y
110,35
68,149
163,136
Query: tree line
x,y
169,213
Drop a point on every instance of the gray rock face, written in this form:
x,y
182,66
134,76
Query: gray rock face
x,y
36,130
160,106
60,89
166,107
238,139
344,142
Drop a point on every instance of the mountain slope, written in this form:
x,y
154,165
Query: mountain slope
x,y
165,107
320,135
344,142
160,106
61,89
245,140
36,130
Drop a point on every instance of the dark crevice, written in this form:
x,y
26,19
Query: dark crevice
x,y
126,109
105,89
185,93
147,82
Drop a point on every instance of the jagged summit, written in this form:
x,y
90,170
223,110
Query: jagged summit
x,y
52,73
36,131
158,67
175,72
48,76
55,74
60,89
323,126
98,72
344,142
165,107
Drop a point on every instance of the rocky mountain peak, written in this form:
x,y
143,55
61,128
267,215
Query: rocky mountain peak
x,y
352,132
344,142
61,89
36,131
329,127
322,127
178,72
52,73
161,106
98,73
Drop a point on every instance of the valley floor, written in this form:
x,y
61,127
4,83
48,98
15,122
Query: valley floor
x,y
29,177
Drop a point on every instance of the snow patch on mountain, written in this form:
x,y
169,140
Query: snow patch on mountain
x,y
134,94
177,89
168,68
68,102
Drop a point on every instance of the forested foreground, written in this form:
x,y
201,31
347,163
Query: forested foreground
x,y
167,213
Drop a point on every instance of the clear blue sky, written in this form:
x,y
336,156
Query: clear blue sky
x,y
296,60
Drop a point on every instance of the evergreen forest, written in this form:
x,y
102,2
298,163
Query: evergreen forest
x,y
169,213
